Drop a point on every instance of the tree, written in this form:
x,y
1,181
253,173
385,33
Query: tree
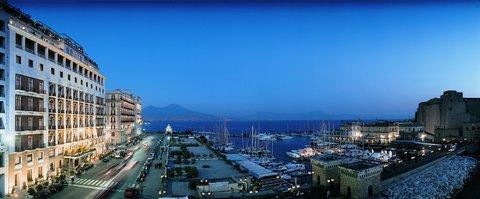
x,y
178,171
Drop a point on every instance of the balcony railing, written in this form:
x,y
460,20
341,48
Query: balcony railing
x,y
52,110
52,93
29,128
19,46
52,126
23,147
27,108
51,144
30,50
30,89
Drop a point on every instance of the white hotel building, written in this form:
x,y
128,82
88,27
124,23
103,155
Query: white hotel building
x,y
52,102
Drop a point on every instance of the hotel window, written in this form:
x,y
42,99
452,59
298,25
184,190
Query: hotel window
x,y
41,50
51,55
52,71
2,42
18,160
29,46
61,74
30,63
67,63
19,60
81,82
75,80
29,175
18,41
52,167
68,77
29,157
2,74
2,58
30,84
29,104
40,172
2,25
51,153
59,60
41,67
18,102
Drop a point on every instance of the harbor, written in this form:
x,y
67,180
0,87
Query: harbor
x,y
281,162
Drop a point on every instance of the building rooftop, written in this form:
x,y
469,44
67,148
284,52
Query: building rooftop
x,y
45,31
359,166
382,123
256,170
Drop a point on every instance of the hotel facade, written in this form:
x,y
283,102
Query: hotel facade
x,y
52,102
124,119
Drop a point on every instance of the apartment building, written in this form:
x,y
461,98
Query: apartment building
x,y
123,116
52,102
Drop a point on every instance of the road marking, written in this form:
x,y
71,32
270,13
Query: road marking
x,y
97,182
105,183
89,181
85,186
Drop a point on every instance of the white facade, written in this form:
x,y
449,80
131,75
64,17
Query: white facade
x,y
53,101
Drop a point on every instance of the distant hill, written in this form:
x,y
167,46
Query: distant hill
x,y
175,112
311,115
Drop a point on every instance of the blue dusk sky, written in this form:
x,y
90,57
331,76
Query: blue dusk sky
x,y
361,59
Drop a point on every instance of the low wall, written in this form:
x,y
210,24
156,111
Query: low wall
x,y
387,183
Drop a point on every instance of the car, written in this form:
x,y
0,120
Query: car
x,y
106,159
131,192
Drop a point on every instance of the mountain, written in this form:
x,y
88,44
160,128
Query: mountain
x,y
175,112
311,115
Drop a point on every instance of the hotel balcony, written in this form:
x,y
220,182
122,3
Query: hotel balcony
x,y
29,128
51,138
30,108
52,127
28,142
53,94
30,89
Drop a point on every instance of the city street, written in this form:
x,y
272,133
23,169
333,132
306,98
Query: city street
x,y
110,179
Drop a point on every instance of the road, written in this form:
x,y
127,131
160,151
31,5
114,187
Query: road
x,y
115,175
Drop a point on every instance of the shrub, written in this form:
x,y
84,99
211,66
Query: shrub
x,y
31,191
191,172
178,171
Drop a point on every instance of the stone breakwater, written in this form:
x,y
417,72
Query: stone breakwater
x,y
437,181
